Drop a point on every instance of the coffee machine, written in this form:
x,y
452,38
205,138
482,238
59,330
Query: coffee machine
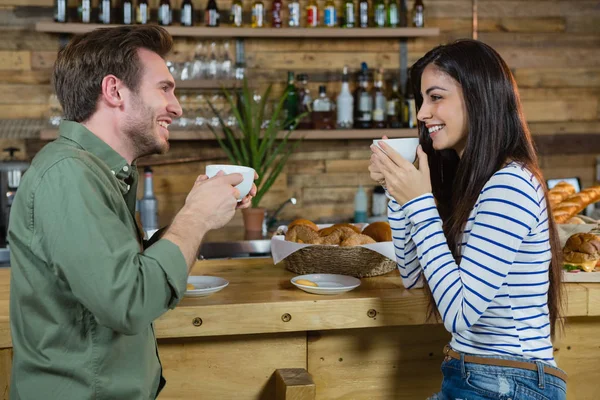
x,y
11,171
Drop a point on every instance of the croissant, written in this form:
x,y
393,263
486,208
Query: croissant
x,y
575,203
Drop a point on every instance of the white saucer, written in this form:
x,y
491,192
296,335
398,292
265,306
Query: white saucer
x,y
328,283
205,285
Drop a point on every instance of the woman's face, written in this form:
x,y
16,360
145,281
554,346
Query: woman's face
x,y
443,110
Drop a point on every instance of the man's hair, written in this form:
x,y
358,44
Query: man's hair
x,y
88,58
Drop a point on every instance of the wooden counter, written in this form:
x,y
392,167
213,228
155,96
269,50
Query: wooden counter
x,y
372,342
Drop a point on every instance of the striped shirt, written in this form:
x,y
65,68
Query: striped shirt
x,y
496,301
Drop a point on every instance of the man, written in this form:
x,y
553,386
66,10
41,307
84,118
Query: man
x,y
85,287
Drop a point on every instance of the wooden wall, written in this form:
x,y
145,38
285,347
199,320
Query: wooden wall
x,y
551,45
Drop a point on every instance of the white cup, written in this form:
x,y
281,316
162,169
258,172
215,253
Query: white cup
x,y
247,173
406,147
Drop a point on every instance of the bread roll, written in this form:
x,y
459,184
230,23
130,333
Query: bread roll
x,y
559,192
379,231
301,234
357,240
328,230
575,203
302,221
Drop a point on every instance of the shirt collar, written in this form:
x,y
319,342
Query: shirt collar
x,y
88,141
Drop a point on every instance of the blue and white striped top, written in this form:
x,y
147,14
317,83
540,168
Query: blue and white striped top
x,y
496,301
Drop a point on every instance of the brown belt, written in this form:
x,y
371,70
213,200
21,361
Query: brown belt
x,y
504,363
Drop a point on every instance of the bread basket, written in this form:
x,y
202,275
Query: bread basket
x,y
358,261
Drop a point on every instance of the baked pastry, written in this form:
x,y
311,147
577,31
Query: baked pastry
x,y
575,203
357,240
575,221
582,250
301,234
559,192
302,221
380,231
328,230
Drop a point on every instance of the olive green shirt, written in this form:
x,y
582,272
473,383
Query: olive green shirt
x,y
83,290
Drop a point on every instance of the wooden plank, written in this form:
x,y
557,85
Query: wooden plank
x,y
5,372
568,144
558,77
575,127
24,94
576,300
583,24
316,196
331,180
15,60
23,111
321,45
39,77
200,31
240,367
43,59
334,166
460,24
539,40
536,9
515,57
26,39
294,384
593,298
207,84
297,60
560,110
380,363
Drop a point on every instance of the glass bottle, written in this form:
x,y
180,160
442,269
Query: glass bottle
x,y
127,12
186,17
312,14
277,14
409,109
322,110
211,14
60,10
236,14
394,104
349,14
330,14
294,14
258,14
393,16
379,14
290,106
363,102
379,102
105,11
164,12
403,13
304,102
85,11
142,12
363,13
345,103
418,14
148,205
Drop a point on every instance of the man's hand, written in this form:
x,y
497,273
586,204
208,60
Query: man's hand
x,y
247,201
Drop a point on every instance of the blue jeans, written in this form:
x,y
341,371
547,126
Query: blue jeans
x,y
468,381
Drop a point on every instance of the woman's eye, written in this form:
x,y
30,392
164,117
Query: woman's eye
x,y
435,97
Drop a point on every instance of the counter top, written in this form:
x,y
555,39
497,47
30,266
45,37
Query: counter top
x,y
260,299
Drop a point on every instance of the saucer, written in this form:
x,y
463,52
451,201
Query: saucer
x,y
328,283
205,285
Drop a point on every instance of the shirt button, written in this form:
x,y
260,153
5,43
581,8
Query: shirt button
x,y
128,187
126,168
113,172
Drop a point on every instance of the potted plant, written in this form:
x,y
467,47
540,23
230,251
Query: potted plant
x,y
254,144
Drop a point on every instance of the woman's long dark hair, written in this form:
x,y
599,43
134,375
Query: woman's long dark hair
x,y
497,133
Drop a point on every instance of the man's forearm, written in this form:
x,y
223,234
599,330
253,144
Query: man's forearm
x,y
187,236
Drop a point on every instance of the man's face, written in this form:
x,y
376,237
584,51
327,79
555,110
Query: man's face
x,y
151,109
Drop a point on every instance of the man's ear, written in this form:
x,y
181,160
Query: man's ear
x,y
112,91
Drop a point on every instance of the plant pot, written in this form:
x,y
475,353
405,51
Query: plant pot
x,y
254,220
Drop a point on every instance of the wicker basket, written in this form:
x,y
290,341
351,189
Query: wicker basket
x,y
354,261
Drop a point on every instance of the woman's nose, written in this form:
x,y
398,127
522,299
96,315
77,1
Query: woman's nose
x,y
424,113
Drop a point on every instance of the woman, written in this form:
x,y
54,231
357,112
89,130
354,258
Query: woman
x,y
472,221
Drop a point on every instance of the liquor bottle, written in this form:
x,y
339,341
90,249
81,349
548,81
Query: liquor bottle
x,y
294,14
258,14
164,12
211,14
393,16
409,108
290,105
418,14
379,102
379,14
85,11
105,11
403,13
349,14
363,102
322,111
363,13
60,10
277,14
236,14
142,12
312,14
186,17
330,14
394,105
360,205
127,12
304,102
345,104
148,204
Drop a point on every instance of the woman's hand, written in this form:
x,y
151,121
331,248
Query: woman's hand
x,y
375,172
403,180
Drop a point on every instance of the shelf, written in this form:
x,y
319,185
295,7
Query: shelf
x,y
208,84
340,134
228,32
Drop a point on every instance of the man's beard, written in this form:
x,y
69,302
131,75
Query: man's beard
x,y
141,131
